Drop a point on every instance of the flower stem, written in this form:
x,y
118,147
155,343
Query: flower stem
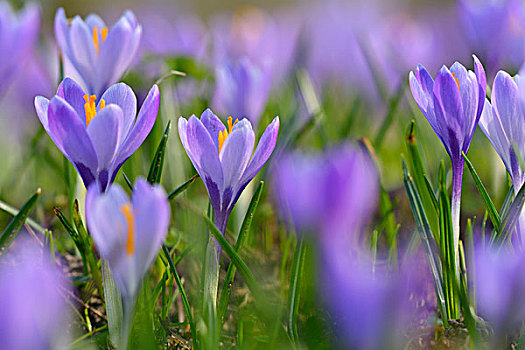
x,y
457,179
113,307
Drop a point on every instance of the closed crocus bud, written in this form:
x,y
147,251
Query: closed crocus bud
x,y
19,33
452,105
97,135
98,54
224,157
33,311
242,89
128,233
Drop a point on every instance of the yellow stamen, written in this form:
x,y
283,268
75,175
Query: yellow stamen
x,y
91,108
457,80
128,214
224,134
103,34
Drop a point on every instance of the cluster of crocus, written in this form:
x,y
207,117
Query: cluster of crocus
x,y
223,157
31,295
334,194
99,134
242,89
98,54
18,37
452,105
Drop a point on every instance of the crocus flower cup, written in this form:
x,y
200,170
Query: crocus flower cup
x,y
223,157
128,233
97,137
98,54
452,105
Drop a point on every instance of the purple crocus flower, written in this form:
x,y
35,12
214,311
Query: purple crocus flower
x,y
500,289
222,156
128,233
242,89
97,136
452,105
99,55
18,37
501,122
334,190
29,298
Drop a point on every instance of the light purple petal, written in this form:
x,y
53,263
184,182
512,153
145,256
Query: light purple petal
x,y
82,48
482,81
41,106
123,96
70,135
507,104
491,126
93,20
263,151
213,124
70,91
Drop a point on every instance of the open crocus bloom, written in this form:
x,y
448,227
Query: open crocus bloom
x,y
97,137
223,157
98,54
128,233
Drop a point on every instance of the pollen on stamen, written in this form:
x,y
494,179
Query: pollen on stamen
x,y
103,34
224,134
457,80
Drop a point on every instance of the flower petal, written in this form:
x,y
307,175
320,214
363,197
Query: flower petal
x,y
262,152
482,82
73,93
507,104
70,135
41,106
235,154
123,96
105,133
82,50
491,126
213,124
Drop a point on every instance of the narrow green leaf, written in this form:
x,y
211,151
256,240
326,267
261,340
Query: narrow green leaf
x,y
429,242
14,226
182,187
489,205
510,218
237,260
183,296
155,170
393,103
13,211
127,180
241,239
294,293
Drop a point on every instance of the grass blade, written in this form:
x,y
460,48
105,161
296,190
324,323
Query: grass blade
x,y
155,170
508,223
295,290
14,226
489,205
13,211
182,187
241,239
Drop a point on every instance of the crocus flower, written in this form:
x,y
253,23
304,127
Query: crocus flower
x,y
242,89
97,135
501,122
128,233
334,190
452,105
18,37
32,310
500,289
98,54
222,156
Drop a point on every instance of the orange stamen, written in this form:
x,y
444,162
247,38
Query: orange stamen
x,y
224,134
457,80
128,214
90,107
103,34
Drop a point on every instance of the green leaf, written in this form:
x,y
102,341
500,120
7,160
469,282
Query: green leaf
x,y
13,211
489,205
294,292
429,242
182,187
510,218
241,239
155,169
237,261
183,295
14,226
393,103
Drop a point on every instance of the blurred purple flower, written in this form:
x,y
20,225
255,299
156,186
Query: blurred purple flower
x,y
500,288
242,89
336,190
452,105
128,233
97,136
501,21
19,33
32,311
98,54
223,157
